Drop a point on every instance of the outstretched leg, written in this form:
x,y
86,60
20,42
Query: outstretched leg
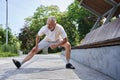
x,y
30,55
27,58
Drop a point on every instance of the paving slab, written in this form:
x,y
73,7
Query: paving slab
x,y
47,67
40,67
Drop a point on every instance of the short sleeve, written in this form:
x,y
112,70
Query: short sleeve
x,y
41,31
63,33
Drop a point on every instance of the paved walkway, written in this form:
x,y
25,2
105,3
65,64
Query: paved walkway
x,y
46,67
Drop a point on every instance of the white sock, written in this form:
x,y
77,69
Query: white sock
x,y
67,61
22,62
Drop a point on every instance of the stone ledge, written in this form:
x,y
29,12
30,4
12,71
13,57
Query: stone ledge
x,y
110,42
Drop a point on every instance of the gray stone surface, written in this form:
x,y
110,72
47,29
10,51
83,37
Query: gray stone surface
x,y
40,67
87,73
47,67
103,59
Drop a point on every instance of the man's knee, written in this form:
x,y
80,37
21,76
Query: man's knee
x,y
67,45
33,50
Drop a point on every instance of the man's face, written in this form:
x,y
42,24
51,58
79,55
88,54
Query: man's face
x,y
51,25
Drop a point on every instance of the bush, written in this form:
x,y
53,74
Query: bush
x,y
8,50
14,49
5,48
7,54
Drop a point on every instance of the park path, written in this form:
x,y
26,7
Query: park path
x,y
46,67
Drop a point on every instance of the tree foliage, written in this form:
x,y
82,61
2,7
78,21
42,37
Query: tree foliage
x,y
2,35
11,38
13,42
81,18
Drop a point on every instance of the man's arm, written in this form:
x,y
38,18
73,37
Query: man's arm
x,y
59,44
62,42
37,40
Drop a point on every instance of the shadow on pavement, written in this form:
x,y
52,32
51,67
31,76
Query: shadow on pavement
x,y
23,71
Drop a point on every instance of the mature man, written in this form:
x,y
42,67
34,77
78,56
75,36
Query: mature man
x,y
55,36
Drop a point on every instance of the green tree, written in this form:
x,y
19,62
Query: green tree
x,y
81,18
13,42
2,35
27,39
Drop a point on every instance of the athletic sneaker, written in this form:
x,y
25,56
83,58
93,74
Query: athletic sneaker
x,y
17,63
70,66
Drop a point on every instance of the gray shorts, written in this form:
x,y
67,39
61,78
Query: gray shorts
x,y
45,44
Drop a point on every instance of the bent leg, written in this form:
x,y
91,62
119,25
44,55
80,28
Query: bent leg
x,y
67,47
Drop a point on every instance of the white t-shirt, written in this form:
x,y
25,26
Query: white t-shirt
x,y
57,34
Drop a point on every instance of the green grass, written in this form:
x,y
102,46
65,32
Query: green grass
x,y
7,54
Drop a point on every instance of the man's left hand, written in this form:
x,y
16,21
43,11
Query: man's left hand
x,y
53,46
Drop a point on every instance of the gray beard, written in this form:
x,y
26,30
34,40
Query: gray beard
x,y
52,29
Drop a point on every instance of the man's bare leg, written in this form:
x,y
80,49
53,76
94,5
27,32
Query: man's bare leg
x,y
30,55
67,47
27,58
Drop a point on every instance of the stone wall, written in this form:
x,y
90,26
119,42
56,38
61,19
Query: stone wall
x,y
103,59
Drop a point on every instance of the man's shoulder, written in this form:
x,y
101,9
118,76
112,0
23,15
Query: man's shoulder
x,y
59,26
44,27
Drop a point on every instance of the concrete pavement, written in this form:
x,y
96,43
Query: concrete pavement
x,y
46,67
40,67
